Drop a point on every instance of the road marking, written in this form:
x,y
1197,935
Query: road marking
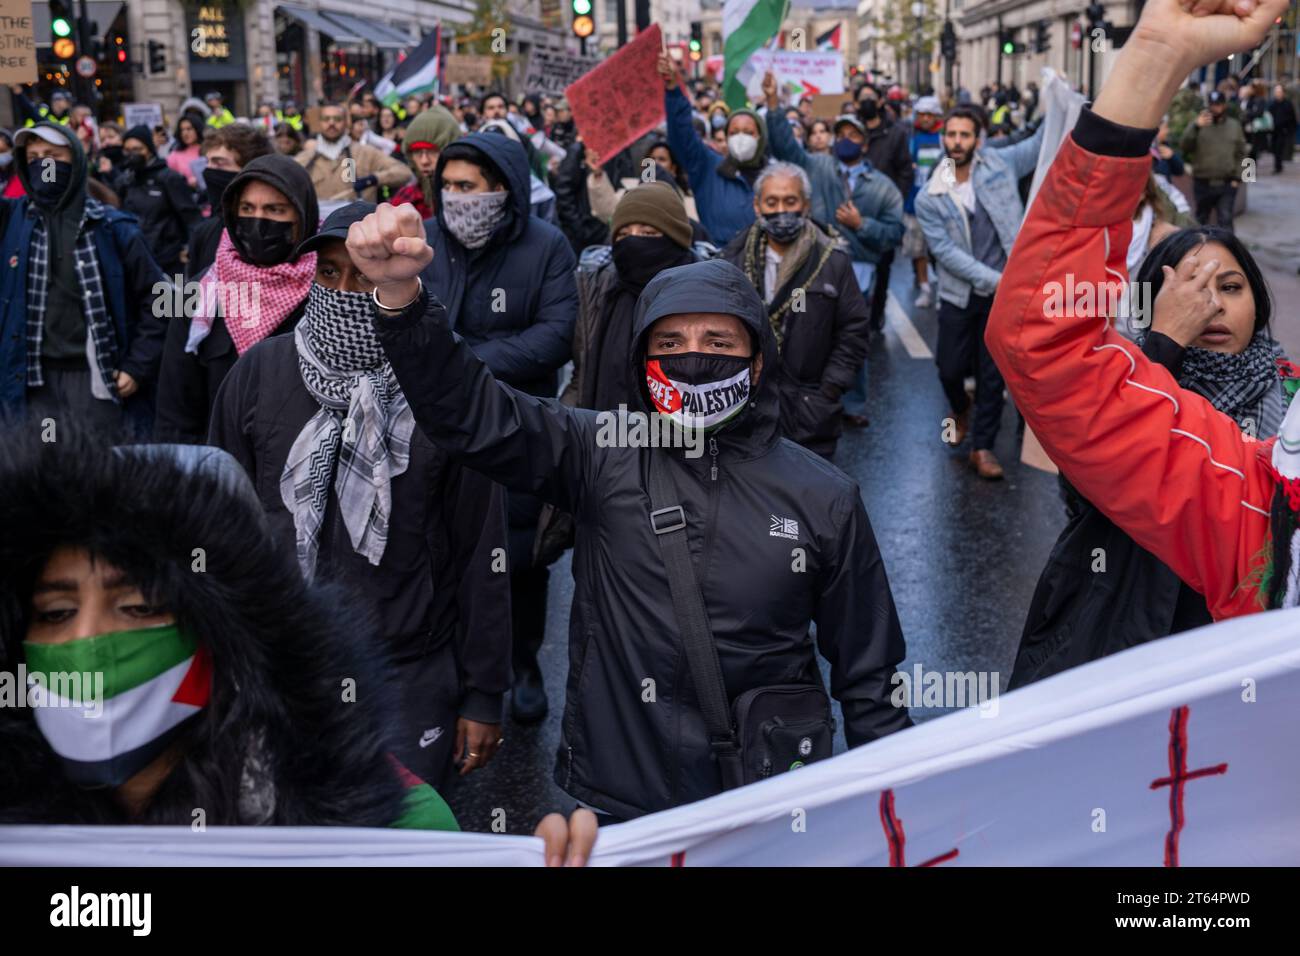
x,y
896,318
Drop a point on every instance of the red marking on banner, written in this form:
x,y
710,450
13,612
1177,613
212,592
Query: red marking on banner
x,y
679,859
1177,780
897,839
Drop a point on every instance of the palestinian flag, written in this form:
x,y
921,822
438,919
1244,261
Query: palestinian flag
x,y
416,74
138,690
747,25
830,40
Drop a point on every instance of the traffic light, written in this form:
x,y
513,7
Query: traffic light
x,y
584,24
118,48
1097,20
1043,37
948,41
158,57
697,40
1008,45
63,44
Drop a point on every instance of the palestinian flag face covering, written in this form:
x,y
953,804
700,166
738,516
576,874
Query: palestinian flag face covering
x,y
696,390
139,691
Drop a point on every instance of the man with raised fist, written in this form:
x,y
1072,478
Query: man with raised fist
x,y
778,538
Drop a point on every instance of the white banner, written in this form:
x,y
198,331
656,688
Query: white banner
x,y
811,73
142,114
1178,752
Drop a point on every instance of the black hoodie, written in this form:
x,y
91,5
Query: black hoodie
x,y
165,206
618,752
281,650
187,386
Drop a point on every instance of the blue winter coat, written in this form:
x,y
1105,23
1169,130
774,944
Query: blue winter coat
x,y
725,203
129,274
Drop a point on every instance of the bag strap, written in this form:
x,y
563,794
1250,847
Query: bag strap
x,y
668,521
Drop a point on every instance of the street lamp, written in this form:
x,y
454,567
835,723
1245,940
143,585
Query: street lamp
x,y
918,11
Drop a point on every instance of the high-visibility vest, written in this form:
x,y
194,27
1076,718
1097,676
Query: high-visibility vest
x,y
295,121
224,118
1000,115
46,115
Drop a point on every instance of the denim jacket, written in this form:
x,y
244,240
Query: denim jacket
x,y
996,174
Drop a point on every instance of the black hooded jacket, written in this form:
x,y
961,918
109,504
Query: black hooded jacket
x,y
436,583
617,751
514,300
278,742
187,387
164,204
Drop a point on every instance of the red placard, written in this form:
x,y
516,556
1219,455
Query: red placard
x,y
622,99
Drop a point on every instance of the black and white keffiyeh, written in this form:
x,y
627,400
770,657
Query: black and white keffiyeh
x,y
361,437
1245,386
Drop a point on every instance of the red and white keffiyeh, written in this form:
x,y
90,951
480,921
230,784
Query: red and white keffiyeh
x,y
252,300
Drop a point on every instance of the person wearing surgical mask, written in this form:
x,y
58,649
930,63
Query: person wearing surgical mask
x,y
813,301
723,185
77,294
314,417
256,287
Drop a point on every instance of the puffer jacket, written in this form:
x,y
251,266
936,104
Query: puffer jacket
x,y
1161,462
164,203
514,300
874,194
277,742
753,502
995,173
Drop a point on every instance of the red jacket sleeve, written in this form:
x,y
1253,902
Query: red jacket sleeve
x,y
1161,462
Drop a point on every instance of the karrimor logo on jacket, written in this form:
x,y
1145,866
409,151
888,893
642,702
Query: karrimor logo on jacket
x,y
702,404
784,528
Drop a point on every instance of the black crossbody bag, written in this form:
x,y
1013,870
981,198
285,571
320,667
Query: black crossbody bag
x,y
766,730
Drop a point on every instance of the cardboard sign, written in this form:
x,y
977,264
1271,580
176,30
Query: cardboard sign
x,y
17,42
142,114
550,71
468,68
827,106
623,98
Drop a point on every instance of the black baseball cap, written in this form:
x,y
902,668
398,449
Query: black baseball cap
x,y
335,225
1216,96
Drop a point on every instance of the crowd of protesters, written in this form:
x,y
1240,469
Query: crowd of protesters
x,y
365,369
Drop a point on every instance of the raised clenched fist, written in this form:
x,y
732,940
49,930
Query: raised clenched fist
x,y
389,247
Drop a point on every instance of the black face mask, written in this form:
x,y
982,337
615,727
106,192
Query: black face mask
x,y
113,154
48,193
783,227
639,259
135,162
699,390
263,242
216,181
868,110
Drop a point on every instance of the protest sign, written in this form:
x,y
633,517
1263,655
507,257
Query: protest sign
x,y
622,98
800,72
468,68
1173,753
550,71
17,43
142,114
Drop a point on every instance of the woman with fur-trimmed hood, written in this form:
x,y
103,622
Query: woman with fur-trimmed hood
x,y
228,684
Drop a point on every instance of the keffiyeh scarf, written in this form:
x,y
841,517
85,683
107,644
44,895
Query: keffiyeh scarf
x,y
359,440
251,300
